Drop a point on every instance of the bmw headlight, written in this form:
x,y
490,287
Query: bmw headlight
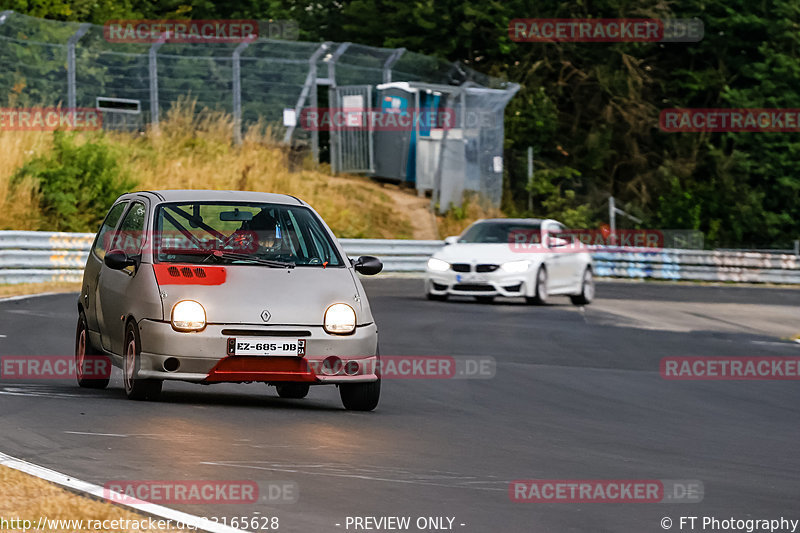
x,y
437,265
188,315
515,267
340,319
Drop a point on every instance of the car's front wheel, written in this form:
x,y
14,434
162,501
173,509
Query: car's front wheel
x,y
587,290
295,391
360,396
540,297
135,387
89,362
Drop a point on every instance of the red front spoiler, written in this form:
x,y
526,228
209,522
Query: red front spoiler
x,y
241,368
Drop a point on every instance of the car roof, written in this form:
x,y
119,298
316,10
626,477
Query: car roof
x,y
206,195
511,221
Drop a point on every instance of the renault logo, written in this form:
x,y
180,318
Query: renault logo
x,y
265,316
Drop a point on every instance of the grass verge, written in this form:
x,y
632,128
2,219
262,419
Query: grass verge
x,y
193,150
26,497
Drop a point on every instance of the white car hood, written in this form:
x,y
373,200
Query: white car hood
x,y
488,253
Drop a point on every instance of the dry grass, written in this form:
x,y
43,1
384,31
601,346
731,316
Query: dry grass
x,y
457,219
193,150
36,288
29,498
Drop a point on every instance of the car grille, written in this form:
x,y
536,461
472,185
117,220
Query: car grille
x,y
472,287
513,288
486,268
462,267
266,333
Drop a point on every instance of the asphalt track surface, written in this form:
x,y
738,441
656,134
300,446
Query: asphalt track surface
x,y
577,395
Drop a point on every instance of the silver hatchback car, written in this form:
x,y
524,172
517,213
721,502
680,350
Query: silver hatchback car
x,y
226,286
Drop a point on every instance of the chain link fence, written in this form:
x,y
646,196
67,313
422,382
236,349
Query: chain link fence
x,y
256,81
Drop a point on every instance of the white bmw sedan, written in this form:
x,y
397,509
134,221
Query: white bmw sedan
x,y
530,258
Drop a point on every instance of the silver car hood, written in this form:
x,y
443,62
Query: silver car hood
x,y
297,296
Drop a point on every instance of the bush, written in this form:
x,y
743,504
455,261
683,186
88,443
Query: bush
x,y
76,182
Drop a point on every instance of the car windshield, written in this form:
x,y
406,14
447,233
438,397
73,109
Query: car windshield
x,y
242,233
498,232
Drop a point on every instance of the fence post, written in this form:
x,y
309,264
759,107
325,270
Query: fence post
x,y
71,92
530,178
390,61
152,66
334,141
237,92
309,88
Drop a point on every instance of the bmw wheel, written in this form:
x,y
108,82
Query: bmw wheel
x,y
540,298
587,289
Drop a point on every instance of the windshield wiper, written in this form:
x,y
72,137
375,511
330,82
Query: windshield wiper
x,y
250,258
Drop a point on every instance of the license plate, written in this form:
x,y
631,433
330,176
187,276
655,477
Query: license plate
x,y
267,346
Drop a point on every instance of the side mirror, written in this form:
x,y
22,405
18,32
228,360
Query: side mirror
x,y
368,265
556,242
451,240
117,260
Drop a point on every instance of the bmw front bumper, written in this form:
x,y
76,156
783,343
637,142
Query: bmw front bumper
x,y
497,283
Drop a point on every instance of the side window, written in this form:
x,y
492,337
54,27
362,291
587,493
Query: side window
x,y
131,230
100,245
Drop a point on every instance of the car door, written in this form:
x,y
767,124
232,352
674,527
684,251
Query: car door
x,y
112,285
94,263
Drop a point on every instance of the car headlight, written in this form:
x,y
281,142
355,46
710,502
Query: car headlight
x,y
515,267
188,315
340,319
438,265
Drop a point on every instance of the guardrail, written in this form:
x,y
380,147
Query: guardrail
x,y
36,256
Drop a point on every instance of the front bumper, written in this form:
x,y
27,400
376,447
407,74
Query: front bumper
x,y
497,283
202,355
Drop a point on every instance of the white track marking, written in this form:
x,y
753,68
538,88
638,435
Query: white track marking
x,y
376,474
114,497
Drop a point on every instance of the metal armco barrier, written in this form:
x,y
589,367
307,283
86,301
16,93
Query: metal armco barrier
x,y
37,256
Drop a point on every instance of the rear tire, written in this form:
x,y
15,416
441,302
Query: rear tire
x,y
587,289
84,348
135,387
296,391
541,296
360,396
